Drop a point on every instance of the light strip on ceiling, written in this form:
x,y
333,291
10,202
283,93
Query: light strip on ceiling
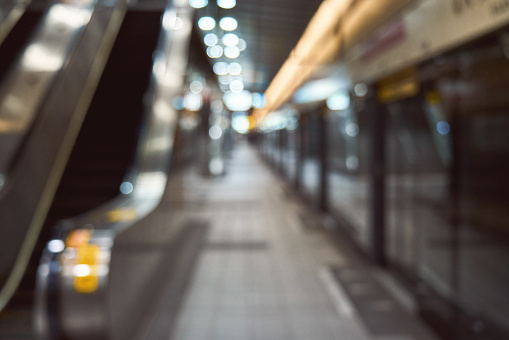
x,y
337,25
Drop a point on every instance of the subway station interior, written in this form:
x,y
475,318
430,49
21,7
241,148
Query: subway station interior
x,y
254,169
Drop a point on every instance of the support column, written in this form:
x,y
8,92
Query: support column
x,y
378,114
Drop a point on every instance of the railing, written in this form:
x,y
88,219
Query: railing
x,y
10,12
43,101
74,274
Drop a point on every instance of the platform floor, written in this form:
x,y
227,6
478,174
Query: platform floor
x,y
264,268
267,271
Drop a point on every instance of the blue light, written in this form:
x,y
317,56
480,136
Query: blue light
x,y
443,128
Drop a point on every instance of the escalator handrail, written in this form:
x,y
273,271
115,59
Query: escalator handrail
x,y
14,10
82,287
60,112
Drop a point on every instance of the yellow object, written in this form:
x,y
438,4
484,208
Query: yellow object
x,y
122,214
86,279
401,85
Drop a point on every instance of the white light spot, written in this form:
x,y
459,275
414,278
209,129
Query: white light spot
x,y
220,68
216,166
210,39
215,51
352,162
242,45
235,69
196,86
230,39
224,79
198,3
81,270
206,23
236,86
232,52
338,101
228,24
352,129
240,123
126,188
56,246
215,132
193,102
360,90
172,22
226,4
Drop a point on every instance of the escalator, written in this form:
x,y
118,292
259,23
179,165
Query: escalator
x,y
17,38
50,64
106,117
106,144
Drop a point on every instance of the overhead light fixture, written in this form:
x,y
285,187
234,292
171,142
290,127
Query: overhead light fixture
x,y
220,68
232,52
215,51
318,46
196,86
224,80
210,39
338,101
228,24
206,23
236,86
230,39
235,69
226,4
198,3
242,45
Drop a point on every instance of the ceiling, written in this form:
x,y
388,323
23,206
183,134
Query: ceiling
x,y
270,28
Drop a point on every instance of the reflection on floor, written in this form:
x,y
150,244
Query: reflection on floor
x,y
264,273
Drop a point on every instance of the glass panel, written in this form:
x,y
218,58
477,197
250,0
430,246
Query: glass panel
x,y
311,161
483,244
291,154
348,142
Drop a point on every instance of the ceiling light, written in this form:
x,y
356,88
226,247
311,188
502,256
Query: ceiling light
x,y
228,24
215,51
206,23
338,101
235,69
242,44
236,86
198,3
224,79
220,68
232,52
227,4
196,86
230,39
210,39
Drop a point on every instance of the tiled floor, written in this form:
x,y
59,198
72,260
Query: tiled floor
x,y
262,274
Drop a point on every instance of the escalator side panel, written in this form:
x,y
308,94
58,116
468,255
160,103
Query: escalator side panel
x,y
38,169
17,38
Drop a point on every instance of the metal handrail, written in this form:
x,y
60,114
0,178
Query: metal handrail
x,y
51,107
75,266
10,12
